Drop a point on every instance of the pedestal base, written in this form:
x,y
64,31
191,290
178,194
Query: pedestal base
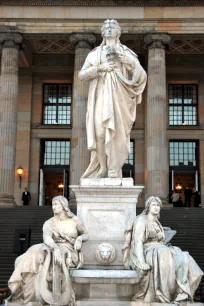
x,y
128,303
105,206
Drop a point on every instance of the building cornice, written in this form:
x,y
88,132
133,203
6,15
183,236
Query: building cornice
x,y
118,3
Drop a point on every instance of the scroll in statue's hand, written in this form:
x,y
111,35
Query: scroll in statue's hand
x,y
106,67
124,59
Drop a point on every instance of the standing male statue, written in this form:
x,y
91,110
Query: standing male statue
x,y
117,81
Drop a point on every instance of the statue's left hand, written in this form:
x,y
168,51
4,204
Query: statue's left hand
x,y
124,59
57,256
78,243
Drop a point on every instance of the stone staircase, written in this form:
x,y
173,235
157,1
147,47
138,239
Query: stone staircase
x,y
189,223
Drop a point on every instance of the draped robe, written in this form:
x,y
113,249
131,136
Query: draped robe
x,y
174,275
118,92
32,277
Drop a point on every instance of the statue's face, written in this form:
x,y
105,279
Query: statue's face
x,y
154,208
57,207
110,30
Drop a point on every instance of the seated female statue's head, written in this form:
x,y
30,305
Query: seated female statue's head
x,y
110,29
60,203
153,205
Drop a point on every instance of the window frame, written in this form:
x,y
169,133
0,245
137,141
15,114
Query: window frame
x,y
128,166
57,104
182,105
42,153
184,167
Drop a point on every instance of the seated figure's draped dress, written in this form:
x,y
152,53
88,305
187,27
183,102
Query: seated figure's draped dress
x,y
112,100
174,275
24,282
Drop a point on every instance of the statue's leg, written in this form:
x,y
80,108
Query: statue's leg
x,y
100,151
100,142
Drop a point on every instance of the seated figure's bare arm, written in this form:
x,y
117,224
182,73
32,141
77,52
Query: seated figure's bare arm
x,y
139,232
47,236
82,234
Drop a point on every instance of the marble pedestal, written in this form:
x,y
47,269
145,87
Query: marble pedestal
x,y
128,303
105,206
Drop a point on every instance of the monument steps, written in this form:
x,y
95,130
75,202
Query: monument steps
x,y
189,223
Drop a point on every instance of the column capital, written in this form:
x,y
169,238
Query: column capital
x,y
157,40
82,40
10,40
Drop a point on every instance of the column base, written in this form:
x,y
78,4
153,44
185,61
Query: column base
x,y
7,200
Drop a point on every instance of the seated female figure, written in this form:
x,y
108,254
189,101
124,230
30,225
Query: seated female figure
x,y
166,273
32,279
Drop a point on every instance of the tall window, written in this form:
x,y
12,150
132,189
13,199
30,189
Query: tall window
x,y
56,153
183,154
128,168
57,103
183,104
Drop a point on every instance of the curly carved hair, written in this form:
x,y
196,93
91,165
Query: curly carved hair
x,y
113,22
65,204
148,202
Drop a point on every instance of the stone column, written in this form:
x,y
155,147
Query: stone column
x,y
79,154
10,43
156,135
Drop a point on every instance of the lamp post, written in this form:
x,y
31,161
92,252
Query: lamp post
x,y
20,172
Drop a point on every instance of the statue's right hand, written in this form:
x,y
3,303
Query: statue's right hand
x,y
145,266
57,256
107,67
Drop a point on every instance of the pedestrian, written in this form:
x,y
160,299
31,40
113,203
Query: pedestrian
x,y
188,195
180,202
170,195
196,198
26,197
175,198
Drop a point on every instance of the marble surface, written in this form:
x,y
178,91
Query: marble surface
x,y
60,251
105,212
166,272
117,81
107,182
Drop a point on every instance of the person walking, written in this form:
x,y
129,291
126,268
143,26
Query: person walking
x,y
196,198
188,195
26,197
175,198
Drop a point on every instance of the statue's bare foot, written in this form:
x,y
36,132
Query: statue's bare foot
x,y
112,173
102,173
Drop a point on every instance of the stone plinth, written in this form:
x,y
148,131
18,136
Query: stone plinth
x,y
127,303
106,209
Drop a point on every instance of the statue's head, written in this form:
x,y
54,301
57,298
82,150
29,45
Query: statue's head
x,y
60,203
153,204
110,29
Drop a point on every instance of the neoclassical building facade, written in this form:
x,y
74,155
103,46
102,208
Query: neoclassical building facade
x,y
43,103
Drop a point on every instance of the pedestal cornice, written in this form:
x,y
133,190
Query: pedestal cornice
x,y
10,40
113,3
157,40
82,40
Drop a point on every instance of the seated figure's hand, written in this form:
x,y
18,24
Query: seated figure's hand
x,y
57,256
78,243
106,67
145,266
